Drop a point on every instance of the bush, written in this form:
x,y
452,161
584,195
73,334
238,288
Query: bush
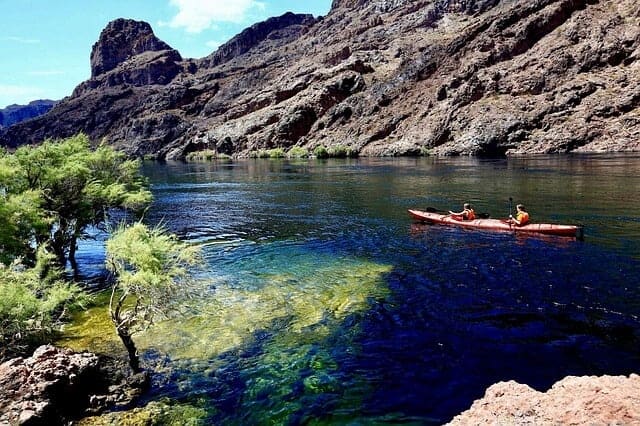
x,y
298,152
205,155
321,152
425,152
268,153
33,301
152,279
341,151
336,151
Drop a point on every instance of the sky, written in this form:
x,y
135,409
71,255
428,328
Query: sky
x,y
45,45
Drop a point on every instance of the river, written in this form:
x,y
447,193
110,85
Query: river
x,y
326,304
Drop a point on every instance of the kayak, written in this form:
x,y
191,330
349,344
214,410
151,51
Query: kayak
x,y
575,231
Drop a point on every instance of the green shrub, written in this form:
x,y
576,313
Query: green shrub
x,y
298,152
205,155
268,153
425,152
336,151
321,152
341,151
276,153
152,279
33,301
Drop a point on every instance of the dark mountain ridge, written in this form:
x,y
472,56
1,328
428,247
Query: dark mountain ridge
x,y
384,77
13,114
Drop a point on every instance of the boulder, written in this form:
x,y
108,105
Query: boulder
x,y
602,400
56,385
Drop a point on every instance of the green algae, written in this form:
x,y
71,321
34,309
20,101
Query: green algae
x,y
158,413
292,318
232,316
92,330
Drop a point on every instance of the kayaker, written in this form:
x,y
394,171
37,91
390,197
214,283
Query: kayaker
x,y
522,217
467,213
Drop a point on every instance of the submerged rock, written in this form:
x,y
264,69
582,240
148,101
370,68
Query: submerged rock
x,y
572,400
55,385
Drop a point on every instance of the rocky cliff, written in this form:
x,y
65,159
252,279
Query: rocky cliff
x,y
16,113
384,77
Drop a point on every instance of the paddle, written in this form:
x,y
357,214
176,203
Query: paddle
x,y
434,210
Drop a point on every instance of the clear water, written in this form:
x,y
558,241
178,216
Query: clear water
x,y
327,304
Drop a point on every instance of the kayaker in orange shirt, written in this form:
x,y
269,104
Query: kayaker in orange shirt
x,y
466,214
522,217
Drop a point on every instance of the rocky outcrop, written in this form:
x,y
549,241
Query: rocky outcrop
x,y
121,40
56,385
286,27
129,54
16,113
603,400
384,77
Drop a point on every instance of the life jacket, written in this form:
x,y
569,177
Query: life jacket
x,y
523,218
470,214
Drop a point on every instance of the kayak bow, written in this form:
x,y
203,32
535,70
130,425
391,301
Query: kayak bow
x,y
501,225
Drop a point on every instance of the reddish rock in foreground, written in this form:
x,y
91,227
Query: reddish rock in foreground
x,y
571,401
57,385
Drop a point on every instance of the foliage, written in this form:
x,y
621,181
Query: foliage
x,y
152,279
298,152
341,151
321,152
268,153
426,152
336,151
51,193
163,412
32,303
22,220
206,155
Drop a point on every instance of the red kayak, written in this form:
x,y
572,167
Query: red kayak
x,y
500,225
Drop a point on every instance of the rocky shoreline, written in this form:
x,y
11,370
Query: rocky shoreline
x,y
55,386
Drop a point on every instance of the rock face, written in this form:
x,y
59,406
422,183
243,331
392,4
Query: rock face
x,y
603,400
285,27
120,40
382,77
56,385
16,113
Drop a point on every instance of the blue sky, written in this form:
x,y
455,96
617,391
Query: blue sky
x,y
45,44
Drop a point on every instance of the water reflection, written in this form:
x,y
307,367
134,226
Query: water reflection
x,y
329,305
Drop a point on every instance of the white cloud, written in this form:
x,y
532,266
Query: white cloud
x,y
198,15
21,40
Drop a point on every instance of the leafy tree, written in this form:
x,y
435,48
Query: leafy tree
x,y
76,187
22,220
151,269
32,303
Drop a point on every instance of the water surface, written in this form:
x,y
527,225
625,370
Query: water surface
x,y
327,304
